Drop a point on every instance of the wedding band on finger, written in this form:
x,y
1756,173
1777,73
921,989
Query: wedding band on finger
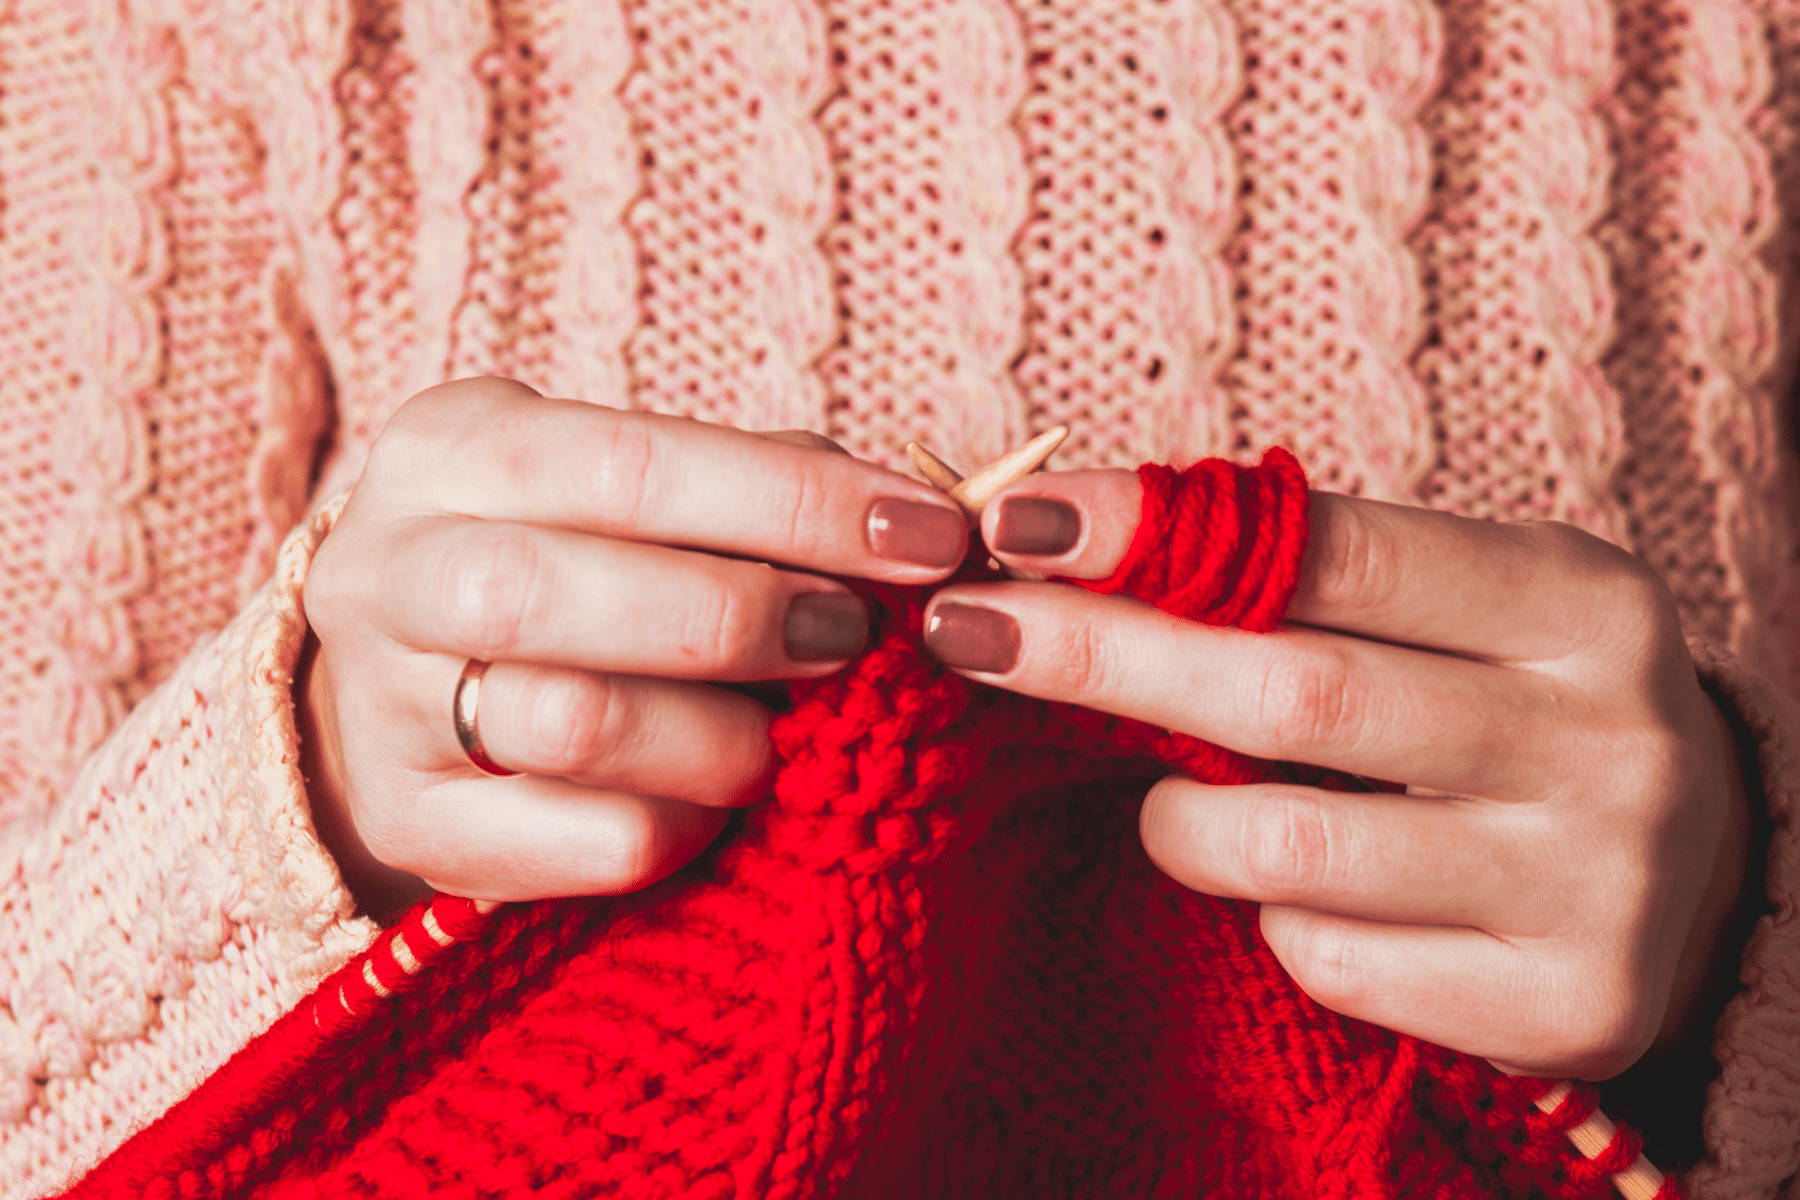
x,y
462,708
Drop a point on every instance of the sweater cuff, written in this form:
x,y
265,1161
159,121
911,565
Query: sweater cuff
x,y
174,902
1750,1125
287,875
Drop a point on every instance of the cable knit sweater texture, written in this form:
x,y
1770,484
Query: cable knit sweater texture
x,y
1507,258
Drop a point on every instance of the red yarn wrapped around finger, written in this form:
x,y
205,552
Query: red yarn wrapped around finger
x,y
1221,544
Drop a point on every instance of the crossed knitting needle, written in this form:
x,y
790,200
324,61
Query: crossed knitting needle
x,y
974,491
1641,1180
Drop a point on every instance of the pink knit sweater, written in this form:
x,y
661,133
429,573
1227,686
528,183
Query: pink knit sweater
x,y
1508,258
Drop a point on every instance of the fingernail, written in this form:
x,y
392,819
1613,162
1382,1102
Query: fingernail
x,y
1035,525
928,535
825,625
971,637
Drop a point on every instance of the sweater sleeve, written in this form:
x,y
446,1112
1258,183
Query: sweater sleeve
x,y
173,902
1728,1123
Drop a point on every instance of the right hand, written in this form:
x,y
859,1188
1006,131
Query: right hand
x,y
568,544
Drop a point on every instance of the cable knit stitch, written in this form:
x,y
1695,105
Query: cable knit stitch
x,y
1508,258
101,558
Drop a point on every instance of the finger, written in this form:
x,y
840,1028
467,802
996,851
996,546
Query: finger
x,y
652,477
520,593
1296,694
628,733
802,437
1077,523
1378,856
1401,573
530,837
1460,988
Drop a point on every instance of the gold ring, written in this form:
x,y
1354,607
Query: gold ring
x,y
462,710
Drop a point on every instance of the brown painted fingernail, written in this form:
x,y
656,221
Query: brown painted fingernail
x,y
927,535
1036,525
821,626
973,638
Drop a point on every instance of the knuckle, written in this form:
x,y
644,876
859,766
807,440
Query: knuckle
x,y
385,830
1654,762
1287,847
1157,810
487,580
1609,1032
741,776
1333,973
406,439
1304,701
1635,615
725,627
623,456
1083,662
1561,538
1643,618
807,500
809,438
574,721
1160,827
326,594
472,393
440,419
1362,569
627,855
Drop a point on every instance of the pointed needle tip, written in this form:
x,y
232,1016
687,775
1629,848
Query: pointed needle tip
x,y
983,485
939,473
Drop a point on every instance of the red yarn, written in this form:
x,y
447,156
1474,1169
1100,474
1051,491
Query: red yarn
x,y
1216,543
935,962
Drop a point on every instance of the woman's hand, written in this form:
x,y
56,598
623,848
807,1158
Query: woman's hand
x,y
1546,893
611,565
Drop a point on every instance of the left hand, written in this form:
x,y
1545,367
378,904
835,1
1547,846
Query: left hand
x,y
1549,890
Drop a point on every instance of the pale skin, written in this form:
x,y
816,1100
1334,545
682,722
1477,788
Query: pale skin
x,y
611,567
1549,892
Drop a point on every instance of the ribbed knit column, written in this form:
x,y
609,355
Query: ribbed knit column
x,y
376,214
930,189
1519,302
447,148
1335,171
49,713
1134,185
591,164
736,296
1697,318
1778,126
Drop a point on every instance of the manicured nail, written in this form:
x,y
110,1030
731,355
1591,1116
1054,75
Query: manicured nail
x,y
1036,525
928,535
973,638
821,626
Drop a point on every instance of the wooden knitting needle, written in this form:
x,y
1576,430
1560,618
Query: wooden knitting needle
x,y
940,474
974,491
1640,1181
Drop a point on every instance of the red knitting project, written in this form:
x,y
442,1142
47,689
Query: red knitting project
x,y
935,962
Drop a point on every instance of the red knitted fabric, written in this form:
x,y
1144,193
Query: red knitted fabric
x,y
936,962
